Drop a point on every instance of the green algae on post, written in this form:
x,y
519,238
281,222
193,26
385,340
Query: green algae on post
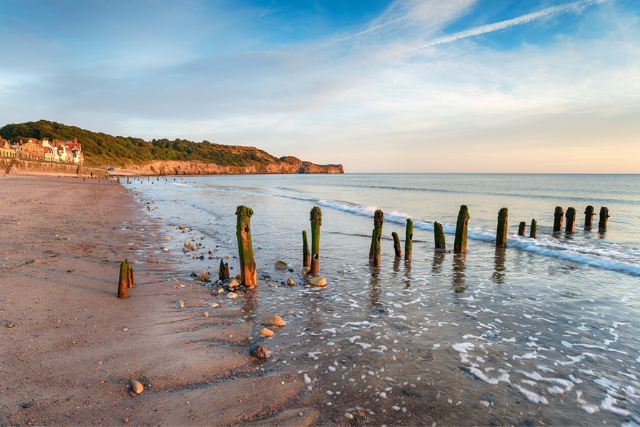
x,y
305,250
316,222
557,219
374,251
501,233
245,248
521,228
571,220
438,236
460,242
396,245
604,217
408,242
588,217
123,282
533,233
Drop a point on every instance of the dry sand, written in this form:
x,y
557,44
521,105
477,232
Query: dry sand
x,y
74,347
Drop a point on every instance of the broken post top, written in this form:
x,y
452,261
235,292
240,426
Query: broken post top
x,y
559,211
589,210
463,215
316,215
244,211
504,213
604,212
378,218
571,213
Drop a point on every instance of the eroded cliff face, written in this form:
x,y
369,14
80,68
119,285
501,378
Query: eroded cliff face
x,y
287,165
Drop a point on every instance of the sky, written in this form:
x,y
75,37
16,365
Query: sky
x,y
536,86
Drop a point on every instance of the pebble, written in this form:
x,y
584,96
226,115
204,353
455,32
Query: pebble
x,y
305,270
136,387
259,351
232,295
281,265
273,320
167,238
221,291
181,304
227,257
203,276
214,304
348,416
290,282
206,314
318,281
270,284
342,271
234,284
182,227
266,332
153,235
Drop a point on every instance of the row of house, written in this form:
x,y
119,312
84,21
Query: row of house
x,y
54,151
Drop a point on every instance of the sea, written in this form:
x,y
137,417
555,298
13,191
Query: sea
x,y
544,331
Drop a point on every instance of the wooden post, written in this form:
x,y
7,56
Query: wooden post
x,y
438,236
245,249
223,271
374,251
316,222
123,282
588,217
305,250
460,242
130,281
604,217
534,229
118,182
557,219
521,228
408,240
396,245
503,222
571,220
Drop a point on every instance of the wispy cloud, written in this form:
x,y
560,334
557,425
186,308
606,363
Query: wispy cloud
x,y
483,29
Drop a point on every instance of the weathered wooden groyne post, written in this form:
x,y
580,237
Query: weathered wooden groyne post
x,y
130,281
533,233
438,237
558,215
501,233
223,271
460,242
408,242
396,245
305,250
316,222
521,228
588,217
374,251
571,220
604,218
123,281
245,249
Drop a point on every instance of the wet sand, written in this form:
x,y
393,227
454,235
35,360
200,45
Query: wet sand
x,y
69,347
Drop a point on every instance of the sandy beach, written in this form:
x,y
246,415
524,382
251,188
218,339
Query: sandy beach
x,y
69,348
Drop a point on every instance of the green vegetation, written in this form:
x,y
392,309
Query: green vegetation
x,y
103,149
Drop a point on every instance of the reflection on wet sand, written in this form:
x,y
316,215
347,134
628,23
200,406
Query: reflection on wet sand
x,y
458,272
374,284
499,259
438,257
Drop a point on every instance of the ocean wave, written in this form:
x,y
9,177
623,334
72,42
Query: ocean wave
x,y
608,258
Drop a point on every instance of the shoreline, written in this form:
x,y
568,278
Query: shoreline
x,y
74,346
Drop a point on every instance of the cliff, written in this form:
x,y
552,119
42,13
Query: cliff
x,y
175,167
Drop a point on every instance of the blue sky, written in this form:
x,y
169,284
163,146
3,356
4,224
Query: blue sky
x,y
380,86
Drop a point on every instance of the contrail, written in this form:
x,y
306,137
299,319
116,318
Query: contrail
x,y
569,7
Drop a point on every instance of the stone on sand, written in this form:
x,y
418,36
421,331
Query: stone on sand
x,y
273,320
136,387
318,281
290,282
266,332
259,351
281,265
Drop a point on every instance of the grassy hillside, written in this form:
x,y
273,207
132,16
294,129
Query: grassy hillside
x,y
103,149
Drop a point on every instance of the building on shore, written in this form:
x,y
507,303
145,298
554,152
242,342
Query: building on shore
x,y
54,151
